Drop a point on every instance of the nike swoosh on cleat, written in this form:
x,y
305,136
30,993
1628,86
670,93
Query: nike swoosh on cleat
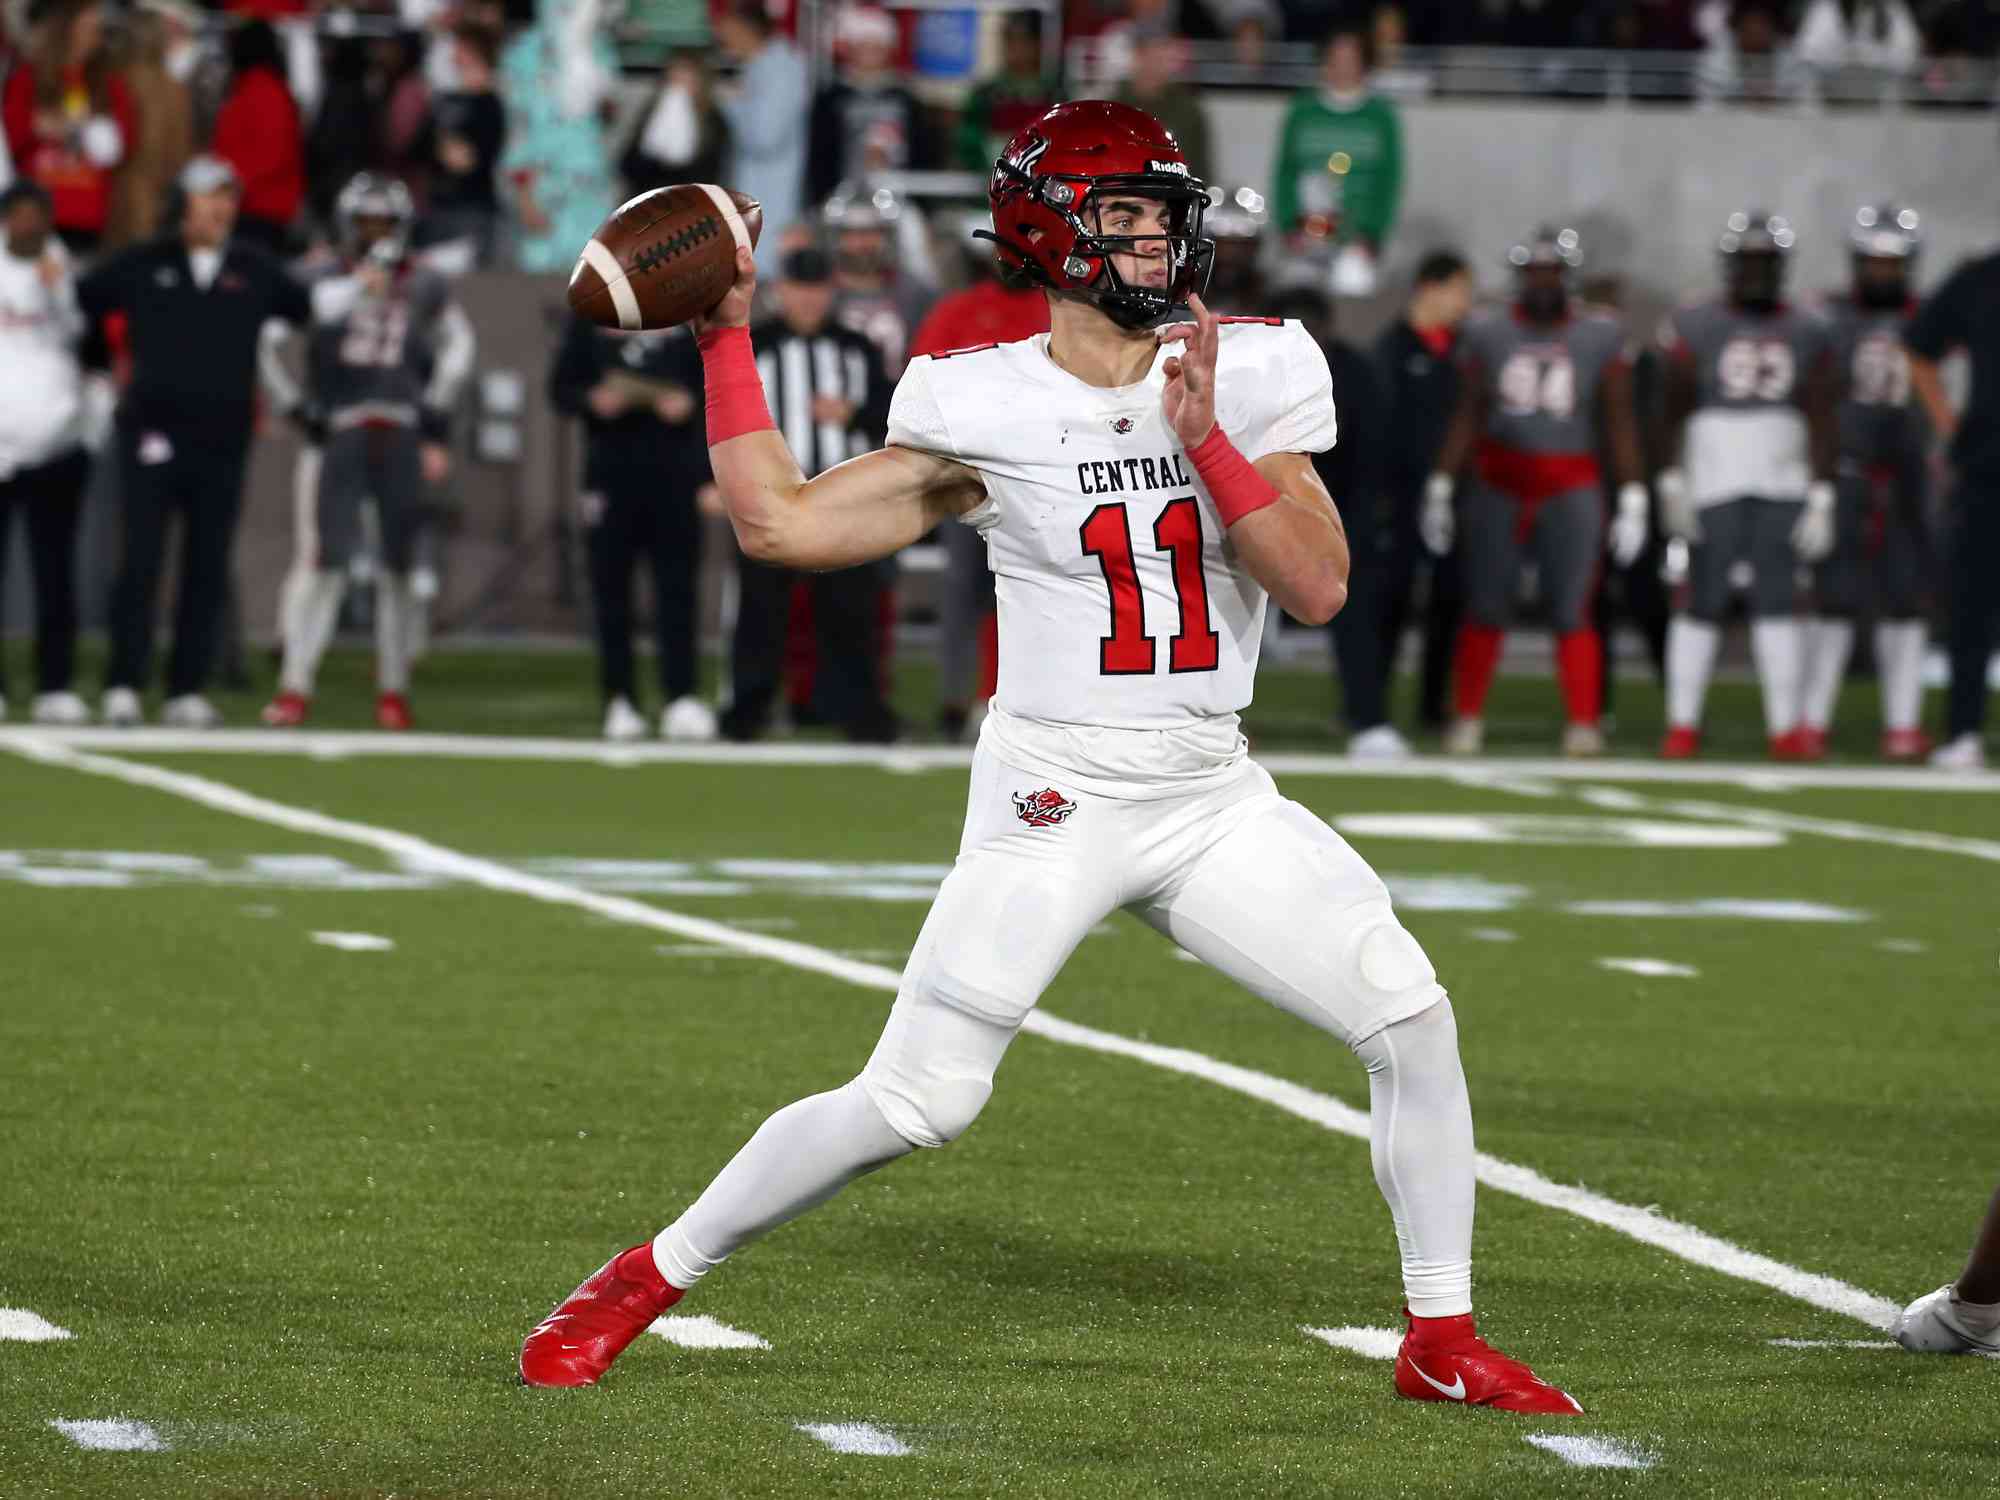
x,y
1453,1392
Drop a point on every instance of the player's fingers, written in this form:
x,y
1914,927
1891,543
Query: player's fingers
x,y
1175,333
1171,369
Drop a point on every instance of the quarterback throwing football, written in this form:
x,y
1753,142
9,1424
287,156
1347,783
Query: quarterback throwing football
x,y
1142,490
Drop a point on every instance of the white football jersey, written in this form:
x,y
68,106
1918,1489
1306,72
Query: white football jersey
x,y
1121,601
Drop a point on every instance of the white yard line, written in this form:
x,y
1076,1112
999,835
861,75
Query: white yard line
x,y
1591,1452
23,1326
857,1437
1619,800
1642,1224
354,942
704,1332
1525,777
1369,1343
1831,1343
110,1434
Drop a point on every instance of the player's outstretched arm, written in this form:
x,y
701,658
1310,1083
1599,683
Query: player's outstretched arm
x,y
1281,520
855,512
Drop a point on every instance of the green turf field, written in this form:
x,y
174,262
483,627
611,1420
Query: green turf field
x,y
307,1125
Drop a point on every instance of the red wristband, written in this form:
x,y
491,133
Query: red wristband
x,y
1233,484
735,392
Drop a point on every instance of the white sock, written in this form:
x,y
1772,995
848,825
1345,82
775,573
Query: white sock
x,y
393,607
1779,646
1829,642
315,613
293,593
1982,1318
798,1159
1899,663
1420,1134
1691,647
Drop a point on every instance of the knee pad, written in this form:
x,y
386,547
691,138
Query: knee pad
x,y
925,1109
1386,967
932,1071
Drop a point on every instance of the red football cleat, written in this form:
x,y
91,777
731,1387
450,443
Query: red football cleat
x,y
287,710
1905,744
1681,743
1445,1359
392,711
1793,744
575,1344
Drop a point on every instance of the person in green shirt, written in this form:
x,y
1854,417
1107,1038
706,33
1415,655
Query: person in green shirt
x,y
1156,87
1339,169
1002,105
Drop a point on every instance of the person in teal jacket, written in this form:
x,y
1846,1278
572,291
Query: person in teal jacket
x,y
1339,169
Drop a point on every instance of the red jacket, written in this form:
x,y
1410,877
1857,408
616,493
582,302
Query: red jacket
x,y
257,132
79,189
986,313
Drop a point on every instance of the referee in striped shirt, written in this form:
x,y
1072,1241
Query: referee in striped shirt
x,y
830,398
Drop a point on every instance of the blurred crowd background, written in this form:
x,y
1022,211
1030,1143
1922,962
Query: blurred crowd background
x,y
1371,165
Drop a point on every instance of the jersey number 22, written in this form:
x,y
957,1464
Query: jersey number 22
x,y
1128,651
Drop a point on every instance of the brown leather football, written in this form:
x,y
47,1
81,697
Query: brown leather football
x,y
664,256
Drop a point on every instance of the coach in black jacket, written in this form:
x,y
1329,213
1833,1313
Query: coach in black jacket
x,y
192,306
829,396
646,459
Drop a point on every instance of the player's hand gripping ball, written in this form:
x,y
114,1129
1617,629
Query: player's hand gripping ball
x,y
664,257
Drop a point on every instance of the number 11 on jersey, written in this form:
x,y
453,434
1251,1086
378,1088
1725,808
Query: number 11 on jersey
x,y
1128,651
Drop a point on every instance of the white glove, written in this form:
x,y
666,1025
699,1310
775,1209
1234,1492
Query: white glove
x,y
102,142
1436,525
1812,537
1677,514
1628,527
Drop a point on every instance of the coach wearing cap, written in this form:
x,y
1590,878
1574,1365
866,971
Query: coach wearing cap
x,y
187,309
1964,313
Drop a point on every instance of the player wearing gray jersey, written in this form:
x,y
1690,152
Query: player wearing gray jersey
x,y
1879,563
1751,394
386,356
1545,386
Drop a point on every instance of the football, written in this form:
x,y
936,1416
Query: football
x,y
663,257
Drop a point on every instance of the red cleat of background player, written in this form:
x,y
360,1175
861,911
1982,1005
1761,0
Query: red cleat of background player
x,y
1445,1359
392,711
287,710
575,1344
1681,743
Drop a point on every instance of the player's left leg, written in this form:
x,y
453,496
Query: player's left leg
x,y
1569,552
1839,586
1777,634
1279,902
1961,1317
1489,543
399,507
1900,577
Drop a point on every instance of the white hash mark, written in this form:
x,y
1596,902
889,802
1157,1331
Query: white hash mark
x,y
354,942
704,1332
1831,1343
110,1434
1592,1452
29,1328
1369,1343
857,1437
1650,968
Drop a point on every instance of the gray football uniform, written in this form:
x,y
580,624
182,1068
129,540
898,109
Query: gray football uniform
x,y
374,366
1880,548
1539,484
1746,452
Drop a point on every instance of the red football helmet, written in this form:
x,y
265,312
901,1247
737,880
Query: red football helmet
x,y
1045,192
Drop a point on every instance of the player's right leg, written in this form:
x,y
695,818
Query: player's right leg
x,y
1489,543
1961,1317
1695,634
1777,633
314,610
1900,576
1569,548
1037,869
1840,583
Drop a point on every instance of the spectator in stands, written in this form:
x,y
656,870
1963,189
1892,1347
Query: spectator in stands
x,y
1417,367
42,466
259,134
1338,177
983,312
69,118
184,426
645,462
864,122
836,405
1836,34
767,117
1251,25
163,106
1964,315
1022,91
1155,85
681,136
466,134
1747,56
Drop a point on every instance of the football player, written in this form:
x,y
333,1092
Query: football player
x,y
1962,1316
878,294
1537,380
1143,491
1880,550
1751,395
386,356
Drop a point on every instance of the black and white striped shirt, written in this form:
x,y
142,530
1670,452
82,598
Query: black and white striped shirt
x,y
797,368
